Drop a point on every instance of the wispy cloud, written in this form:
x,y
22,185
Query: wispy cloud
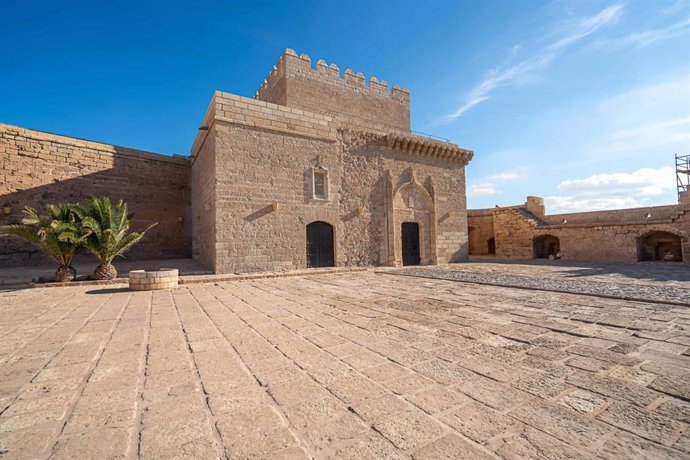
x,y
488,185
611,191
649,37
665,133
481,189
649,119
509,73
676,7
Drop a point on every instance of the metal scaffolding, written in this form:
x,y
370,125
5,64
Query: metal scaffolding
x,y
682,173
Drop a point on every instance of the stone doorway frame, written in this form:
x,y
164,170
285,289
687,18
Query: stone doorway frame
x,y
423,214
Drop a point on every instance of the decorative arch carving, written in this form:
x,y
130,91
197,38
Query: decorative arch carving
x,y
409,202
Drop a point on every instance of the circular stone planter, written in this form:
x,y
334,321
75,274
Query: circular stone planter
x,y
149,280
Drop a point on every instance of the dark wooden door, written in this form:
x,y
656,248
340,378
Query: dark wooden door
x,y
410,243
320,245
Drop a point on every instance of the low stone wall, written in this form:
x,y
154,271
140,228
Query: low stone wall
x,y
150,280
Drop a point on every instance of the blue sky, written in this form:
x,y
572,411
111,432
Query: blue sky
x,y
581,102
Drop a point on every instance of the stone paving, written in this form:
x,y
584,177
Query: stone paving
x,y
86,265
666,283
354,365
675,274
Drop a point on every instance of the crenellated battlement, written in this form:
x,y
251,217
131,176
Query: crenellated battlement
x,y
292,63
320,87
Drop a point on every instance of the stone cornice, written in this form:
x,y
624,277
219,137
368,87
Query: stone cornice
x,y
427,147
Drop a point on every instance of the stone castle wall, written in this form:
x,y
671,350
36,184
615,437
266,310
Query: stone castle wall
x,y
600,236
480,230
38,168
321,89
263,155
632,215
203,198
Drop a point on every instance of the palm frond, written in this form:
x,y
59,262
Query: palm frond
x,y
22,231
105,229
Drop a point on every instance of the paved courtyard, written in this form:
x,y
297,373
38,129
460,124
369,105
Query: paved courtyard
x,y
354,365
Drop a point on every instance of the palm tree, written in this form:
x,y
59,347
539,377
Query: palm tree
x,y
106,236
58,234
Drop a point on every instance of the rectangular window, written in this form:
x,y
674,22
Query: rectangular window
x,y
320,184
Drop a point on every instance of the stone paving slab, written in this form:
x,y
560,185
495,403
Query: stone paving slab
x,y
24,275
347,365
655,273
555,279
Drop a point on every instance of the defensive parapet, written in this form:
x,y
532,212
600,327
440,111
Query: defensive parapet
x,y
293,82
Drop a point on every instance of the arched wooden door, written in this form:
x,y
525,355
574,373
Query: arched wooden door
x,y
320,251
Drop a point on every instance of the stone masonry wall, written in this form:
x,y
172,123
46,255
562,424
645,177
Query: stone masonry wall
x,y
263,198
38,168
203,180
294,83
480,230
513,234
262,155
365,162
631,215
604,240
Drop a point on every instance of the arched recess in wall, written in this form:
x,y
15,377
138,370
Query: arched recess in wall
x,y
412,203
546,247
660,245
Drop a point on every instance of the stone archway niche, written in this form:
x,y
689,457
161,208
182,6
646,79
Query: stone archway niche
x,y
409,202
659,245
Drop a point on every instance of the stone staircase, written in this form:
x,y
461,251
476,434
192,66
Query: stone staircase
x,y
533,220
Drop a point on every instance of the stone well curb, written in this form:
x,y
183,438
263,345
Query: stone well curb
x,y
200,279
149,280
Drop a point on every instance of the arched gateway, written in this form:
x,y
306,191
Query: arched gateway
x,y
659,245
546,247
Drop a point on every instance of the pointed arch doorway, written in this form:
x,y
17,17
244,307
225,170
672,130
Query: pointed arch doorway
x,y
410,227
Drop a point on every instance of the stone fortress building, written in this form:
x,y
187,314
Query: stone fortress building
x,y
622,235
318,169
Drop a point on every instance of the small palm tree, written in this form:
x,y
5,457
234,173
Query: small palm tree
x,y
58,234
106,234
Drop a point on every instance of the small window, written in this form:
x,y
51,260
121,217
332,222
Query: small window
x,y
320,184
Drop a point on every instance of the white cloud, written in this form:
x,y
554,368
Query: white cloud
x,y
503,76
648,37
613,191
488,185
508,175
482,189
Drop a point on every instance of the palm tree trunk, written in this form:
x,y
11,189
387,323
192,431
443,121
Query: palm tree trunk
x,y
64,274
105,272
